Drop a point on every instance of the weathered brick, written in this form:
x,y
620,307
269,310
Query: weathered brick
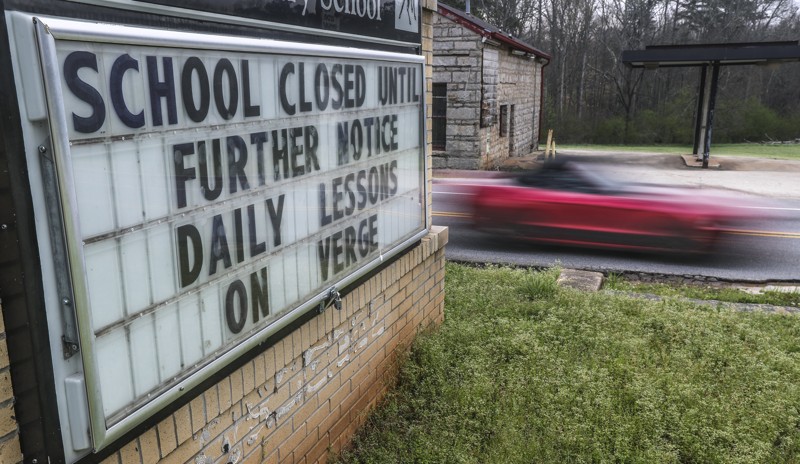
x,y
308,442
286,448
339,427
237,385
6,391
197,409
3,354
148,445
339,396
167,438
256,456
213,449
259,371
316,418
297,345
130,453
278,437
248,377
254,437
269,365
225,394
278,361
184,453
300,416
211,397
321,450
183,424
8,421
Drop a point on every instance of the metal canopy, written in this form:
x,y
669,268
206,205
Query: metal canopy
x,y
654,56
710,57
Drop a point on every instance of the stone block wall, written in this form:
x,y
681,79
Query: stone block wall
x,y
457,57
481,77
518,85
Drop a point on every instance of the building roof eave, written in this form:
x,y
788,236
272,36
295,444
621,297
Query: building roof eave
x,y
489,31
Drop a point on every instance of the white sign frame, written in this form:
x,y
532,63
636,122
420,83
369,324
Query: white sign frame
x,y
48,31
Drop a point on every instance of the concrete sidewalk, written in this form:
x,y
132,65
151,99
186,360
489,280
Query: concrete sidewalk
x,y
755,176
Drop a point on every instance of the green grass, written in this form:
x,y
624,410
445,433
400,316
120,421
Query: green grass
x,y
788,151
522,371
727,294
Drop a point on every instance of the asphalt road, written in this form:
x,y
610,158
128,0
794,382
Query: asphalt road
x,y
767,251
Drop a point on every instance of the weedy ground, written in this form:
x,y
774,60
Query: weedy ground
x,y
524,371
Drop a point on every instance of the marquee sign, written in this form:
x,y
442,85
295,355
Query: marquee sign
x,y
214,189
391,20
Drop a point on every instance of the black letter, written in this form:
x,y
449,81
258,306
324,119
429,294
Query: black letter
x,y
276,217
357,139
342,145
259,139
219,245
324,217
361,86
350,245
208,192
296,150
189,274
84,91
304,105
349,102
311,138
351,196
196,114
337,87
239,232
249,110
236,289
321,83
280,154
122,64
162,89
256,247
288,68
337,196
362,189
324,255
383,88
225,66
236,167
259,294
182,174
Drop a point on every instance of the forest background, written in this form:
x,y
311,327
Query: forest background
x,y
592,97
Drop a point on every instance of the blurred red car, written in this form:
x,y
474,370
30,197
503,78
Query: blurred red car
x,y
566,203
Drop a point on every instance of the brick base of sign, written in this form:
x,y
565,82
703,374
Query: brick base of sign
x,y
9,432
304,397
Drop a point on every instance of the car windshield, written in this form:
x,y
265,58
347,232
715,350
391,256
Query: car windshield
x,y
603,183
570,177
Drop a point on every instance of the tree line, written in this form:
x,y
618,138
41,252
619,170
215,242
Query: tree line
x,y
592,97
